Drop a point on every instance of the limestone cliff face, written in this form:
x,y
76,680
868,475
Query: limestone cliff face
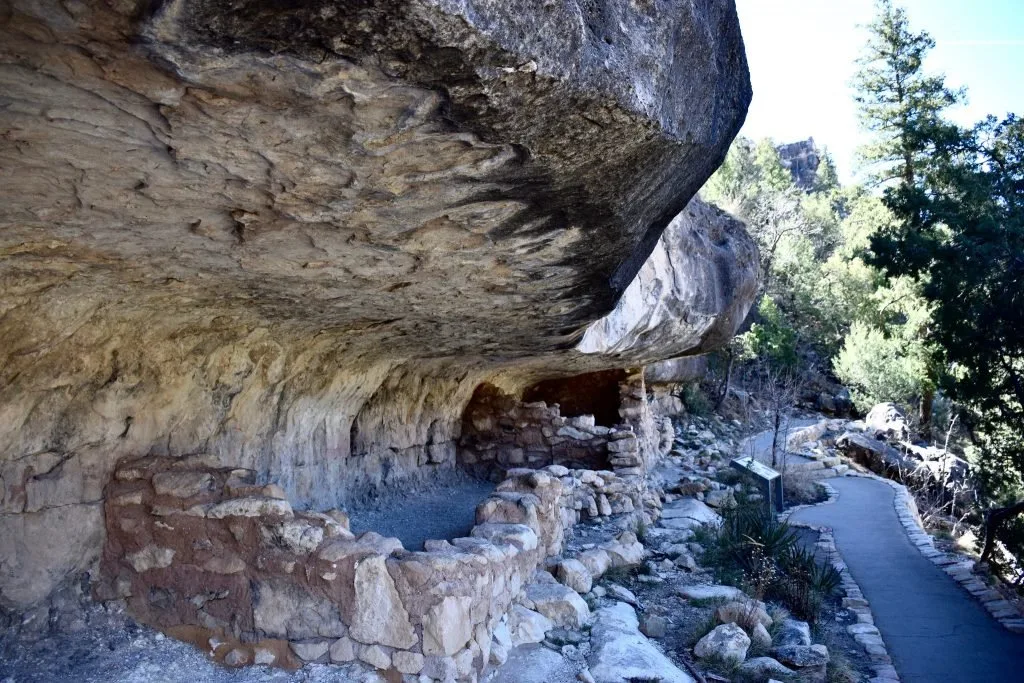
x,y
297,236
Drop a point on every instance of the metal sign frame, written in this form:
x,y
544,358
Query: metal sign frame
x,y
769,481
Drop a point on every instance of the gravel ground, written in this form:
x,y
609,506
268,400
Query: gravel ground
x,y
443,509
113,649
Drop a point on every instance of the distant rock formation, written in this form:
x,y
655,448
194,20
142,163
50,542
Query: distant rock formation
x,y
802,159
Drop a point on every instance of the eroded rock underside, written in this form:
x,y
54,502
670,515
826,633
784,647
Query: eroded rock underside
x,y
297,237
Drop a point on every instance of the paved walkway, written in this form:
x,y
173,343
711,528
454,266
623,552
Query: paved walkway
x,y
934,630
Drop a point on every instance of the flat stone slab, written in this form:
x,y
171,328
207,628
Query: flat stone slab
x,y
688,513
621,653
712,593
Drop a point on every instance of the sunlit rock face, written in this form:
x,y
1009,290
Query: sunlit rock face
x,y
297,236
690,295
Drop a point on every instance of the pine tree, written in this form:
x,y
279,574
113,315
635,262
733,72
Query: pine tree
x,y
898,102
902,107
826,177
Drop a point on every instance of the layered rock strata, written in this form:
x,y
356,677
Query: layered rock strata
x,y
297,237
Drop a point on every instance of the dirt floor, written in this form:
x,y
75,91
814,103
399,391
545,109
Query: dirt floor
x,y
444,509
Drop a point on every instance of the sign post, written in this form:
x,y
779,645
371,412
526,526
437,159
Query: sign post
x,y
769,482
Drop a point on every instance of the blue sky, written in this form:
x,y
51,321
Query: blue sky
x,y
802,53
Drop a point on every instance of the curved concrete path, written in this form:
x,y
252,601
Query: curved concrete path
x,y
934,630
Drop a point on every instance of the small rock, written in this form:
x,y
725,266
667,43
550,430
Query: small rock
x,y
562,636
622,594
793,632
236,657
654,626
263,656
727,642
686,562
343,650
310,652
761,668
711,593
575,575
759,636
376,656
802,656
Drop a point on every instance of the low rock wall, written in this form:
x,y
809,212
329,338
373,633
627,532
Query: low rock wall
x,y
207,555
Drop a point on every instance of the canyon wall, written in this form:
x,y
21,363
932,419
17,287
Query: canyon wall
x,y
296,237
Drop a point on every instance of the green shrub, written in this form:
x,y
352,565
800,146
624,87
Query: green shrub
x,y
696,401
754,550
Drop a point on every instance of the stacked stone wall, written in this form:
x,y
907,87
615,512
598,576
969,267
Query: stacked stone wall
x,y
208,556
500,432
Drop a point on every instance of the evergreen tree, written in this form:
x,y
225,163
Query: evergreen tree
x,y
898,102
826,177
961,232
902,106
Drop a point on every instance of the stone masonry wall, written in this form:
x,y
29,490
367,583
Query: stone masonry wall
x,y
500,432
207,555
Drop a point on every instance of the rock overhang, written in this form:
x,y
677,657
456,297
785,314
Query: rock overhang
x,y
291,235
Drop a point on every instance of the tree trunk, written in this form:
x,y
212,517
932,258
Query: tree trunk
x,y
925,409
724,393
993,519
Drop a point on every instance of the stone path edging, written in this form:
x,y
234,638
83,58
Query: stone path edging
x,y
864,631
959,567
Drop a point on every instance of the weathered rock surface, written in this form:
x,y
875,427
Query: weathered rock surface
x,y
802,656
688,513
712,593
621,653
297,238
727,642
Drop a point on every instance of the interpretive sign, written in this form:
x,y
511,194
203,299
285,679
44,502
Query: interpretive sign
x,y
769,482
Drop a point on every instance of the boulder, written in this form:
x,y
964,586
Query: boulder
x,y
560,604
182,484
619,652
723,499
763,668
447,627
802,656
575,575
688,513
793,632
760,637
886,419
527,626
727,642
597,561
624,554
285,610
743,613
378,615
